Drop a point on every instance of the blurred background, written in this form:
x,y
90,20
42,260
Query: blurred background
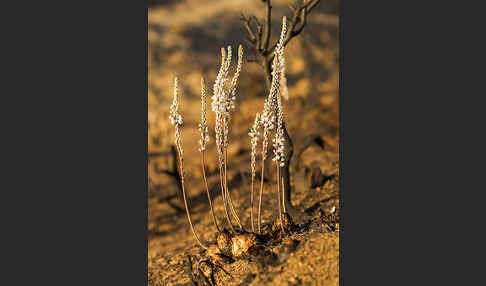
x,y
185,38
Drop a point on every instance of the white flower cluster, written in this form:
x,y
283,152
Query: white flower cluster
x,y
219,99
254,137
284,90
278,140
203,127
174,116
279,68
204,137
223,100
278,148
236,76
272,108
267,120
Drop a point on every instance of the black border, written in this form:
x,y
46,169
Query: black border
x,y
75,174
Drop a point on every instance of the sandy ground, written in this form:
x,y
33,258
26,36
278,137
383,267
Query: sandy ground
x,y
185,38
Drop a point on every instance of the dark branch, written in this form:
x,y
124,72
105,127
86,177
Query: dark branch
x,y
299,17
247,38
258,44
256,21
312,5
303,19
292,8
246,22
167,172
268,26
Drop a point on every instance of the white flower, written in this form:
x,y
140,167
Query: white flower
x,y
174,116
223,100
203,128
278,148
254,137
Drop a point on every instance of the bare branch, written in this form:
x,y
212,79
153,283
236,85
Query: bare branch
x,y
260,34
258,44
246,22
292,8
299,17
247,38
303,20
268,26
312,5
296,19
256,20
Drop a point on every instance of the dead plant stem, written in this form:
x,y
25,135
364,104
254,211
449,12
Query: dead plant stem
x,y
181,166
207,190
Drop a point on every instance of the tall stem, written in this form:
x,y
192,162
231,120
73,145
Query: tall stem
x,y
283,195
285,172
223,196
251,203
278,195
268,26
232,208
181,166
261,197
207,190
